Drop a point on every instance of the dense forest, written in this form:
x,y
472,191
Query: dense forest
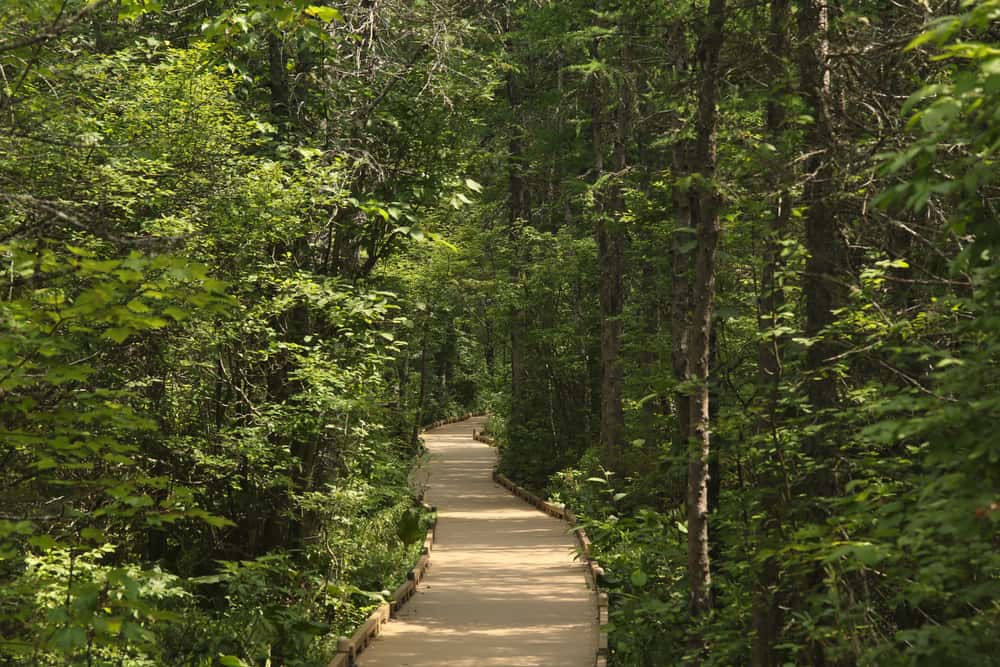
x,y
724,273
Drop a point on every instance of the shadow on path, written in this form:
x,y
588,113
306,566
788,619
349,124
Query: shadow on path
x,y
503,588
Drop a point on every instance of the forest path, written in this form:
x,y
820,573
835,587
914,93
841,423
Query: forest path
x,y
503,588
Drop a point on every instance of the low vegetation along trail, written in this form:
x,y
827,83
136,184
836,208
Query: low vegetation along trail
x,y
503,588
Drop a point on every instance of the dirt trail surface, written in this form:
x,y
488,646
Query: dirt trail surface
x,y
503,588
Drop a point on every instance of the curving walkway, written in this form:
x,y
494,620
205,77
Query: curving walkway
x,y
503,588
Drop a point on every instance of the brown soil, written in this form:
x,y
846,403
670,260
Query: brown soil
x,y
503,588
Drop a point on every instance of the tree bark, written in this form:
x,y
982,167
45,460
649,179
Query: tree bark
x,y
518,208
680,296
822,240
767,615
708,226
823,265
418,417
821,232
277,76
610,257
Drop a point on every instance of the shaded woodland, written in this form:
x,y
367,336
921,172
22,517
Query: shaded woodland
x,y
724,274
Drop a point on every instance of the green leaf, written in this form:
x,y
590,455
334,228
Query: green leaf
x,y
921,95
130,10
940,115
216,521
93,535
314,629
638,578
46,463
43,542
325,14
118,334
68,639
309,153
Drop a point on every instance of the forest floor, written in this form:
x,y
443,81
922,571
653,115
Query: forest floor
x,y
503,587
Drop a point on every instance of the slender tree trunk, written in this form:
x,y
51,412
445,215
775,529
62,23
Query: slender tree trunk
x,y
418,418
489,353
518,211
610,250
519,317
402,377
822,240
680,297
649,359
651,281
708,227
767,615
771,295
277,76
823,266
611,259
822,237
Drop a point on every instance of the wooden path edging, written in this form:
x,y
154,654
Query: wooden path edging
x,y
479,436
594,570
452,420
349,648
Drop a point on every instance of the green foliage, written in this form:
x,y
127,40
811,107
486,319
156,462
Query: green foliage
x,y
84,609
857,532
956,125
250,247
202,459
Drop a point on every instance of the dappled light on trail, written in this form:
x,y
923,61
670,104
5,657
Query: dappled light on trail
x,y
503,588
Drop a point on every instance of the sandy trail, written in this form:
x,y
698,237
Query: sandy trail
x,y
503,588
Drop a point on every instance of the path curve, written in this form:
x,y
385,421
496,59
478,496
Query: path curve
x,y
503,589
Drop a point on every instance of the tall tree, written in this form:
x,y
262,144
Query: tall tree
x,y
518,213
707,223
770,347
610,132
823,238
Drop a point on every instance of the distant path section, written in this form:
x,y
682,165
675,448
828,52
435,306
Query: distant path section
x,y
503,589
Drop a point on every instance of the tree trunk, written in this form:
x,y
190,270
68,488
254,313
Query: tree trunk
x,y
649,359
820,283
680,297
518,210
277,76
822,238
610,248
611,260
708,227
418,419
767,615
